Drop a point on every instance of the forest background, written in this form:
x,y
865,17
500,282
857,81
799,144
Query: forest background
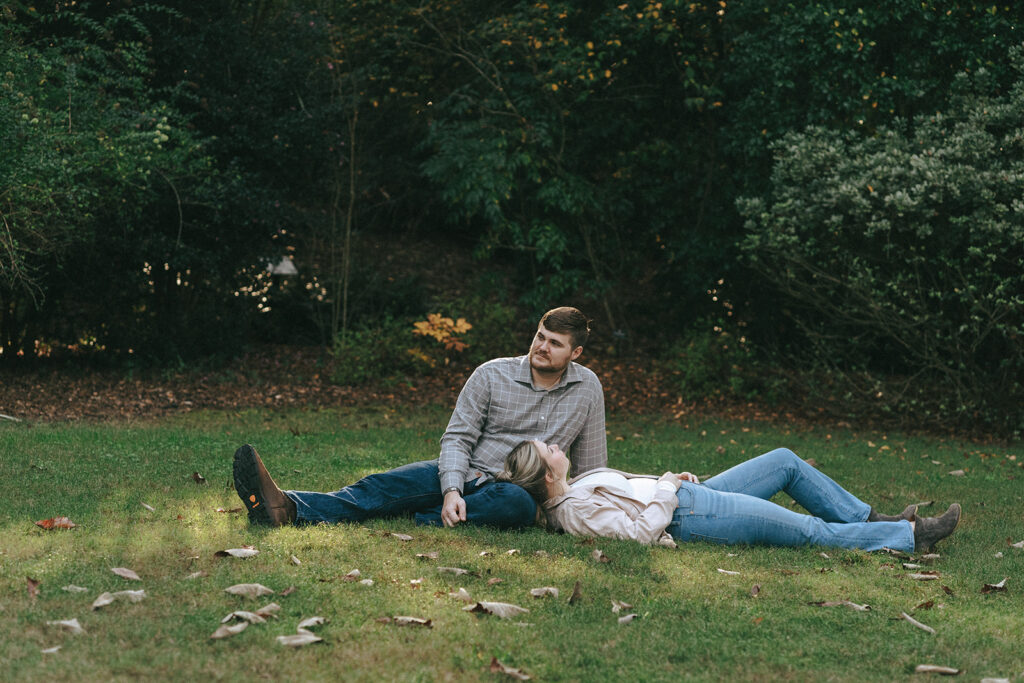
x,y
815,204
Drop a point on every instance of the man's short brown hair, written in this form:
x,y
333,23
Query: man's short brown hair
x,y
570,321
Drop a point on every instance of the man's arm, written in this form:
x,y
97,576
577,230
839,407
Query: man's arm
x,y
458,441
590,450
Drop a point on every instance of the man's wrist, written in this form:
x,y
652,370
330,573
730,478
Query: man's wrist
x,y
450,489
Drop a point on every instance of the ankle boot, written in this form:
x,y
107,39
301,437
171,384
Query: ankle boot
x,y
930,530
908,514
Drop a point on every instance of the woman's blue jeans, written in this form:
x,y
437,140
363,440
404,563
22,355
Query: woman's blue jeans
x,y
733,508
415,489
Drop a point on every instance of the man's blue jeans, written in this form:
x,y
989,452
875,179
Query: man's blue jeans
x,y
415,489
733,507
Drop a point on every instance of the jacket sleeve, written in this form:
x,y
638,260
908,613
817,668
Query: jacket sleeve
x,y
598,515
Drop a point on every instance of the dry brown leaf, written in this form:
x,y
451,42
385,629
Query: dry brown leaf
x,y
577,594
411,621
957,473
485,553
296,561
249,590
415,583
457,571
911,565
352,575
541,553
310,622
226,631
494,581
198,478
243,552
299,639
71,625
755,590
242,615
949,591
917,623
626,618
105,599
504,610
50,650
461,594
930,557
499,668
994,587
925,576
400,537
367,582
727,572
432,555
928,604
56,523
288,591
544,591
811,461
148,507
269,610
32,586
125,573
935,669
1018,545
72,588
513,551
600,557
618,606
842,603
232,511
196,575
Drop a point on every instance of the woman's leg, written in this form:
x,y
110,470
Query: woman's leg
x,y
782,470
705,514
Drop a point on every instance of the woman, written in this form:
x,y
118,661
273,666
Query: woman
x,y
731,507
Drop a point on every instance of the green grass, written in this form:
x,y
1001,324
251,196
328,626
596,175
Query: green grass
x,y
696,623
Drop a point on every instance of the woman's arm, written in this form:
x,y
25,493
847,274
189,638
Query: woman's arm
x,y
602,514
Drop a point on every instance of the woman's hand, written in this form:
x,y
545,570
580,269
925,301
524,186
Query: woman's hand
x,y
672,481
686,476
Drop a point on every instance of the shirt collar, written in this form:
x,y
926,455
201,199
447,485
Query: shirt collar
x,y
571,375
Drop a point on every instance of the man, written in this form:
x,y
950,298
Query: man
x,y
543,395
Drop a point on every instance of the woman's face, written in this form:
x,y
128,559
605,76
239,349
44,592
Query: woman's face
x,y
554,458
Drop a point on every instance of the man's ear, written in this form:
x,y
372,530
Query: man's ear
x,y
576,353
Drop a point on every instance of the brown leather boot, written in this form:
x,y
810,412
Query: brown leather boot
x,y
930,530
265,502
908,514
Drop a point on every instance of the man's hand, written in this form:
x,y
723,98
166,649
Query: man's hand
x,y
454,509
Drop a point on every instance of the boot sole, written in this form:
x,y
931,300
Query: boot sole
x,y
247,485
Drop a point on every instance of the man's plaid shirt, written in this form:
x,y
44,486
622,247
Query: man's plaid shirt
x,y
499,407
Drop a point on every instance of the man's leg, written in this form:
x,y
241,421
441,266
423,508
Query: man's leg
x,y
498,504
782,470
397,492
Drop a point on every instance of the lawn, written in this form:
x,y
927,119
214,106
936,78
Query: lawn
x,y
704,612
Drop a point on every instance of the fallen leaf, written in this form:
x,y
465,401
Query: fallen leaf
x,y
242,615
577,594
148,507
994,587
269,610
811,461
917,623
56,523
755,590
249,590
352,575
198,478
243,552
935,669
367,582
310,622
842,603
499,668
925,576
125,573
105,599
287,591
400,537
513,551
71,625
232,511
544,553
485,553
618,606
911,565
600,557
296,561
50,650
727,572
788,572
32,586
299,639
72,588
928,604
415,583
411,621
432,555
949,591
1018,545
494,581
544,592
930,557
461,594
626,618
504,610
457,571
957,473
196,575
825,555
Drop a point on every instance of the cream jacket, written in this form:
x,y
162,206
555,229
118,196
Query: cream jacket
x,y
610,512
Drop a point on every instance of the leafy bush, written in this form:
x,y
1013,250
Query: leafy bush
x,y
375,351
710,361
900,254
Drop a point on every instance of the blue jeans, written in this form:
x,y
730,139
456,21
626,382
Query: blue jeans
x,y
733,507
415,489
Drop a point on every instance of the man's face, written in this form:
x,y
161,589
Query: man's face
x,y
551,352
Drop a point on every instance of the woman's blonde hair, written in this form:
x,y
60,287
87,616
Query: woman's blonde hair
x,y
526,468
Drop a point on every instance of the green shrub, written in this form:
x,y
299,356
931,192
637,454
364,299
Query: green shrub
x,y
899,255
710,361
383,350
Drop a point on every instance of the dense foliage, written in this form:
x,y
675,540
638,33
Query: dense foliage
x,y
158,155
